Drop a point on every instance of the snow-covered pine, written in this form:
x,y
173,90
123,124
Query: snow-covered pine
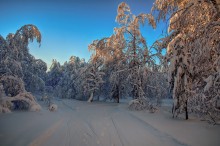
x,y
12,85
54,74
16,64
93,79
192,53
65,81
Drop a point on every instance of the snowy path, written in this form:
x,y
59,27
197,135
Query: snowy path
x,y
106,124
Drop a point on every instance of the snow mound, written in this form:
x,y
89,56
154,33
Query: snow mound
x,y
24,99
35,107
4,110
5,105
53,107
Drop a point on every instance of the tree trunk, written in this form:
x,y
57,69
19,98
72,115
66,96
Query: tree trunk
x,y
117,90
91,97
186,110
116,93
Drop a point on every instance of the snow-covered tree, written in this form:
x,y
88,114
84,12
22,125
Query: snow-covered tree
x,y
125,56
15,62
21,62
110,51
193,54
66,80
54,74
142,61
93,79
136,48
68,84
35,75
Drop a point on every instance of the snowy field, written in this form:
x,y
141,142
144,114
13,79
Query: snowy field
x,y
78,123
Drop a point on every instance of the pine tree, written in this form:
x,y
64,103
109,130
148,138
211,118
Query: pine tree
x,y
193,54
15,63
93,80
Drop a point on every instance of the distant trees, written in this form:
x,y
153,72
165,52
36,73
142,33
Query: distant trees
x,y
54,74
193,55
35,75
66,80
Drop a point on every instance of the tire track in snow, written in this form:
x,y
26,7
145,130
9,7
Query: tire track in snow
x,y
87,130
157,132
89,126
46,135
117,132
67,142
68,106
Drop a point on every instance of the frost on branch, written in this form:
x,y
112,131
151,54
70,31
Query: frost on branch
x,y
26,33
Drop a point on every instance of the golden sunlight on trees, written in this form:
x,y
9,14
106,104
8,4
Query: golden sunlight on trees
x,y
127,61
193,48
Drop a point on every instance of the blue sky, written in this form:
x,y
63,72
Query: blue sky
x,y
69,26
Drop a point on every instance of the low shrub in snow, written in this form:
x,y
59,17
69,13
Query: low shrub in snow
x,y
141,104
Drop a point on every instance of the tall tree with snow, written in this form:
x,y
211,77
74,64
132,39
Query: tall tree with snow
x,y
110,51
193,54
126,57
93,80
16,63
136,44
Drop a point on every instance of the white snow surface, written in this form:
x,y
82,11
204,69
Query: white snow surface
x,y
79,123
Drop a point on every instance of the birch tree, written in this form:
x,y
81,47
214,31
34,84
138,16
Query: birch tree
x,y
136,44
125,55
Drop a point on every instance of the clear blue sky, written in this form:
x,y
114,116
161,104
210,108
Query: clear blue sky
x,y
69,26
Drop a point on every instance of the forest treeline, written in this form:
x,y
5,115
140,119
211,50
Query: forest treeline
x,y
184,65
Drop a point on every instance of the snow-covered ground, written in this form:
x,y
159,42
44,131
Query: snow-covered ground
x,y
78,123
